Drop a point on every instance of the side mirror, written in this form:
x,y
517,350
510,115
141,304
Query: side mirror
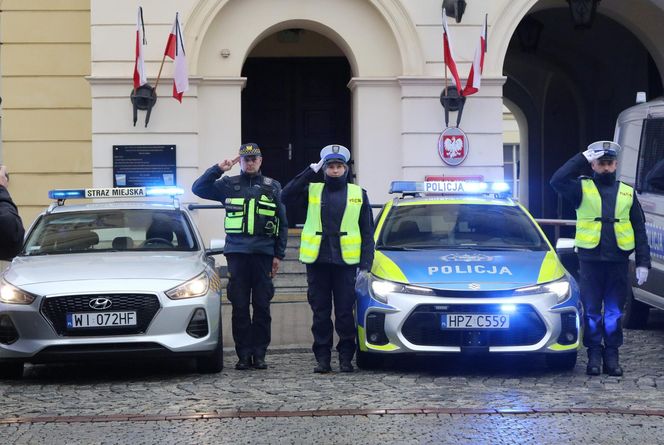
x,y
216,247
565,245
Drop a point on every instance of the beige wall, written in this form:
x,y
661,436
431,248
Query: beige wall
x,y
46,105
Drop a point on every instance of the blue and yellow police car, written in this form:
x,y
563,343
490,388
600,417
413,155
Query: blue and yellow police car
x,y
460,267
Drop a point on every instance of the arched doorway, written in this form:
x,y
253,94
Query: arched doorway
x,y
572,84
296,101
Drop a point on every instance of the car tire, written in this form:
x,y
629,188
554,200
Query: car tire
x,y
561,361
635,313
213,363
11,371
368,360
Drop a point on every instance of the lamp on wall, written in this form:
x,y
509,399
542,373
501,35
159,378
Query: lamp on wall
x,y
528,32
583,12
454,9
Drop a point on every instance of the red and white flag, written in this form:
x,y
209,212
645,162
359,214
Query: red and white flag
x,y
139,64
449,56
475,75
175,50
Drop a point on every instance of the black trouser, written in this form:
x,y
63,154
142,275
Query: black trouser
x,y
328,283
603,284
250,283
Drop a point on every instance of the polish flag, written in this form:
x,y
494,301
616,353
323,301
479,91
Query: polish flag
x,y
175,50
449,57
475,75
139,64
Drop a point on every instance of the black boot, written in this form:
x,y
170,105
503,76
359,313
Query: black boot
x,y
611,362
243,363
345,364
259,362
323,366
594,360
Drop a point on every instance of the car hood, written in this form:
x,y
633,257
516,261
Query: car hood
x,y
107,266
468,270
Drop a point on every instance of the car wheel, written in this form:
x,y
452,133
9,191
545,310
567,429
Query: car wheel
x,y
213,363
367,360
635,314
11,371
562,362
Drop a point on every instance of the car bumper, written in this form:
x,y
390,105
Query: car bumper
x,y
166,334
411,324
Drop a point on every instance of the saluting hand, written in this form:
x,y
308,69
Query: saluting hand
x,y
227,164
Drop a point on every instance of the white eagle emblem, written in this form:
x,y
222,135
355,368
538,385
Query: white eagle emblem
x,y
454,147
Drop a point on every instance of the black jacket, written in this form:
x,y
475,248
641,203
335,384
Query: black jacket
x,y
333,206
211,185
11,227
566,182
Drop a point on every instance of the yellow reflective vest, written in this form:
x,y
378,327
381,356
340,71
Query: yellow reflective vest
x,y
312,233
589,217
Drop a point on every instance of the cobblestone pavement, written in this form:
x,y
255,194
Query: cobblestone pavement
x,y
470,400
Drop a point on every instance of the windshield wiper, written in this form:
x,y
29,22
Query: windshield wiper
x,y
394,248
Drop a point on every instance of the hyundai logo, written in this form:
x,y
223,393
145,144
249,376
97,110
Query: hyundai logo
x,y
100,303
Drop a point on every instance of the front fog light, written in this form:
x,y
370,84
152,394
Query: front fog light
x,y
13,295
196,287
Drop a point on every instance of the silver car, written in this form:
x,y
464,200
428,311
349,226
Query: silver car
x,y
109,280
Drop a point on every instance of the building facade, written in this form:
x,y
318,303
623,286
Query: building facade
x,y
295,75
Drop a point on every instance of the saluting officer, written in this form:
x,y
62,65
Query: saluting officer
x,y
609,226
336,241
256,235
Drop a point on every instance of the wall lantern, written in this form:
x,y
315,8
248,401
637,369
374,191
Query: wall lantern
x,y
454,9
583,12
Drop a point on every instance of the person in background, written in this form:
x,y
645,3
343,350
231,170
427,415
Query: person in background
x,y
11,225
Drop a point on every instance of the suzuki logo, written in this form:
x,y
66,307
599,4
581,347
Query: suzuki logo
x,y
100,303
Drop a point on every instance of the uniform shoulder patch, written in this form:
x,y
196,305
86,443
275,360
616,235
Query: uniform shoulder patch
x,y
267,181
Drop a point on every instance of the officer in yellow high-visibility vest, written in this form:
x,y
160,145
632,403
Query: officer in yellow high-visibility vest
x,y
610,225
256,234
336,243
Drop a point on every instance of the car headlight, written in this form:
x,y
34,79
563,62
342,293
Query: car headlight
x,y
195,287
13,295
561,288
380,289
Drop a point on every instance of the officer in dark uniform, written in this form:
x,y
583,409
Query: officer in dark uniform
x,y
256,235
336,243
610,226
11,226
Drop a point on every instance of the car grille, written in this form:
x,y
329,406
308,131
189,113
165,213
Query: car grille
x,y
55,309
422,327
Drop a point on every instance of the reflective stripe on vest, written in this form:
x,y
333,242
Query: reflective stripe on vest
x,y
588,225
350,242
234,222
251,216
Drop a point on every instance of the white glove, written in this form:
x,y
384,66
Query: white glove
x,y
317,166
641,275
592,155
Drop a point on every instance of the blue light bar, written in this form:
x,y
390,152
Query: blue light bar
x,y
449,187
114,192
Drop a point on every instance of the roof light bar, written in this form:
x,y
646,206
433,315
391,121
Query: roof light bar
x,y
449,187
114,192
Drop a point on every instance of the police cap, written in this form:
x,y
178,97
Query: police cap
x,y
610,149
249,149
335,152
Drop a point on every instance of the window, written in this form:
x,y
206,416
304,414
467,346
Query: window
x,y
511,167
651,152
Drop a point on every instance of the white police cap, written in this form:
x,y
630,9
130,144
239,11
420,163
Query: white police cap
x,y
335,152
610,149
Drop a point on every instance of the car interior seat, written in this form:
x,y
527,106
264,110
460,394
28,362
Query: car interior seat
x,y
122,243
408,230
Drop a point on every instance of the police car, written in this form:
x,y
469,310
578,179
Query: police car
x,y
460,267
128,278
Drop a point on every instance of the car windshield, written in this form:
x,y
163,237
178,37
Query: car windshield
x,y
110,230
459,226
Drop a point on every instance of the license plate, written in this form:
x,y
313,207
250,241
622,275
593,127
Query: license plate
x,y
474,321
100,319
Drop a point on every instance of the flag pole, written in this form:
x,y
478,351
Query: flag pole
x,y
159,75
